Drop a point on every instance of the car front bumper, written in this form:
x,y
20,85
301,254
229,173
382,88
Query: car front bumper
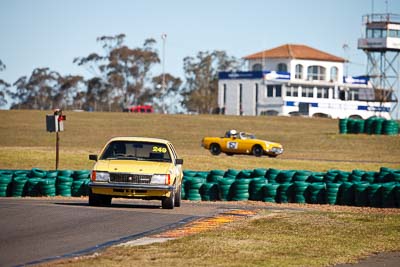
x,y
149,187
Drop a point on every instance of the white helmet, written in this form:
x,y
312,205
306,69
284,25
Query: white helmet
x,y
233,132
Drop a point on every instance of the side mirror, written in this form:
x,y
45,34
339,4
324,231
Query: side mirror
x,y
93,157
178,161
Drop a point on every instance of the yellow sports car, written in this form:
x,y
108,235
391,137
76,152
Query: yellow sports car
x,y
241,143
136,167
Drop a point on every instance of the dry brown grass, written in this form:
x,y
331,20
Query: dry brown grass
x,y
312,144
290,238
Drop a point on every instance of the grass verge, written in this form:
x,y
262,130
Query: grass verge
x,y
290,238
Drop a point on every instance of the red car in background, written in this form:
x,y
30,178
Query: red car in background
x,y
141,109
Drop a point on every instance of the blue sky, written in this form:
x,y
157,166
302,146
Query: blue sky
x,y
51,33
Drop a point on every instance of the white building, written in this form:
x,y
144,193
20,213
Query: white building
x,y
297,80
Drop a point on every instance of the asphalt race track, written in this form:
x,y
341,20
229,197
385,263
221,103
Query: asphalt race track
x,y
35,230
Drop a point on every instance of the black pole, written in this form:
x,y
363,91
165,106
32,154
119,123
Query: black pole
x,y
57,145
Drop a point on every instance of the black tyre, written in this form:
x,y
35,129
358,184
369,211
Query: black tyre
x,y
215,149
99,200
257,151
178,197
168,202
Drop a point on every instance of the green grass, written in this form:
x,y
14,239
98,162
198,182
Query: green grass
x,y
292,238
312,144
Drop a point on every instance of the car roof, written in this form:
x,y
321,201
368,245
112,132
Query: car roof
x,y
139,139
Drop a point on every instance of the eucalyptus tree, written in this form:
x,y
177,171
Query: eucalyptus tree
x,y
39,91
201,73
168,99
121,74
3,86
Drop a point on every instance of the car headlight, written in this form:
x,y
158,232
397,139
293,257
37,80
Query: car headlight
x,y
160,179
100,176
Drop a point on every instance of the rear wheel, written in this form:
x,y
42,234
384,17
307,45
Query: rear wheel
x,y
215,149
168,202
257,151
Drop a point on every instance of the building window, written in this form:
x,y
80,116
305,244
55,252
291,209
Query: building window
x,y
282,67
289,91
303,92
316,73
299,71
334,74
257,67
307,92
270,90
354,94
295,92
278,91
322,93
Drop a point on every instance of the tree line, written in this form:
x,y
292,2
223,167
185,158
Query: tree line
x,y
121,77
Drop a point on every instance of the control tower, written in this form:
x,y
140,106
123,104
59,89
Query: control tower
x,y
381,43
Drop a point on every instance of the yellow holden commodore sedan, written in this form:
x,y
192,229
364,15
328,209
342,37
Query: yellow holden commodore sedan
x,y
136,167
241,143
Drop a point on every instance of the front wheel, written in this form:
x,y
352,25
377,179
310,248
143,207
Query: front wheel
x,y
168,202
99,200
257,151
178,197
215,149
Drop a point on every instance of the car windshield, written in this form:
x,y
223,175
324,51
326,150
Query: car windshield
x,y
130,150
247,136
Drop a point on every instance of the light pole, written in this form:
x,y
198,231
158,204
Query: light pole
x,y
163,89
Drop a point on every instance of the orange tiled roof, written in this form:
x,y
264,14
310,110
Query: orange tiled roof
x,y
296,52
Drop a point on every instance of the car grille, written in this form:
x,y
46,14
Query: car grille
x,y
130,178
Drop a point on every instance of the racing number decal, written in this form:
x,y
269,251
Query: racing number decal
x,y
232,145
159,149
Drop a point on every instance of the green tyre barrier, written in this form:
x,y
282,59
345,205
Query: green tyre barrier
x,y
209,192
300,191
316,193
361,194
284,193
346,194
343,126
64,186
332,190
397,195
48,187
5,185
38,173
52,174
259,172
368,177
270,192
18,186
81,175
225,188
375,195
271,175
255,188
65,173
241,189
213,178
316,177
32,187
285,177
78,188
388,195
